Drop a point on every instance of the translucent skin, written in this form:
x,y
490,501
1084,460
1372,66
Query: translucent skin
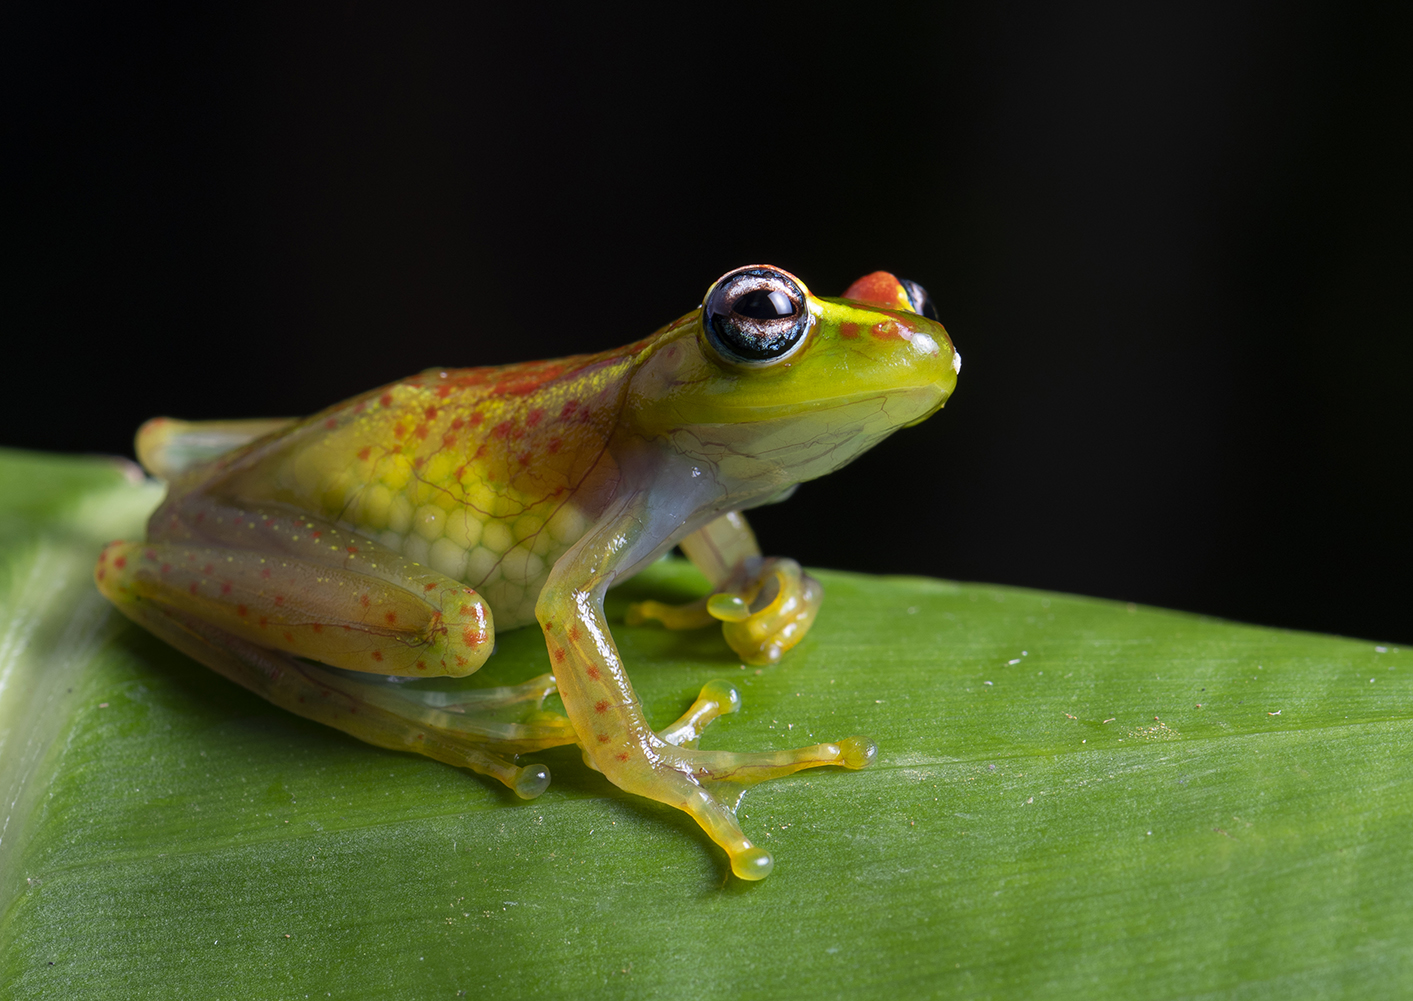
x,y
393,534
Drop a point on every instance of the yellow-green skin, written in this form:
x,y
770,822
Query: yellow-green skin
x,y
394,533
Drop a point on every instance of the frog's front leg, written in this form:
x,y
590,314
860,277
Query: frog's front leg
x,y
765,605
609,720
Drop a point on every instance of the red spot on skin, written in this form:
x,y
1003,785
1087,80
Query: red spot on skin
x,y
289,637
363,600
418,462
242,611
431,413
460,472
457,424
476,419
473,637
226,588
102,573
465,609
331,423
603,738
574,633
269,522
166,568
622,756
448,440
421,432
265,573
365,452
421,666
103,556
362,404
481,452
399,430
569,409
391,617
386,399
264,622
525,459
377,655
501,429
889,330
443,392
553,445
279,599
601,706
848,331
122,561
429,587
460,661
317,534
559,656
881,289
200,517
318,627
593,673
351,549
535,417
205,569
193,587
151,555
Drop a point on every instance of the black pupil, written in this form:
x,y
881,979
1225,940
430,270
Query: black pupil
x,y
763,304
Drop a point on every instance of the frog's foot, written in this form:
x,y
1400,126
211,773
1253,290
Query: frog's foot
x,y
765,608
467,732
709,785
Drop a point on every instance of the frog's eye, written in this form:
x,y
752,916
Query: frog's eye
x,y
921,301
755,314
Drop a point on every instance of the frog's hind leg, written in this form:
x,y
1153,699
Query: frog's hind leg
x,y
378,713
167,447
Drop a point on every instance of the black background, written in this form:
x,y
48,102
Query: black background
x,y
1170,240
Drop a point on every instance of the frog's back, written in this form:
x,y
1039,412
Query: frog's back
x,y
486,474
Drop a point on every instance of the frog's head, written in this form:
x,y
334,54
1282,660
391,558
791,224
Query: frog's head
x,y
769,382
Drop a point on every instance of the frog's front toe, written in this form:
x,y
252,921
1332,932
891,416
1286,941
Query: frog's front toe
x,y
770,613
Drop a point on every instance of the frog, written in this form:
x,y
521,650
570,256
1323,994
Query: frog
x,y
324,562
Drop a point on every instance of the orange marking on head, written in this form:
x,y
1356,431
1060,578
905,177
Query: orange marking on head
x,y
601,706
849,331
890,330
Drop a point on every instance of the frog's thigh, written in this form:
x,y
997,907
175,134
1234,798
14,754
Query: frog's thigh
x,y
381,719
331,614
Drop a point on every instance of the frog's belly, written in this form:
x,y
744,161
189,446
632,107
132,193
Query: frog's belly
x,y
497,538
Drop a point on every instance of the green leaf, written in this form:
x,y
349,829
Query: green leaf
x,y
1074,798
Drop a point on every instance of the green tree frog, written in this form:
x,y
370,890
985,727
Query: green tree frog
x,y
320,562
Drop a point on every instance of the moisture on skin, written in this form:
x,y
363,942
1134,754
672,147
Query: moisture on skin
x,y
389,537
